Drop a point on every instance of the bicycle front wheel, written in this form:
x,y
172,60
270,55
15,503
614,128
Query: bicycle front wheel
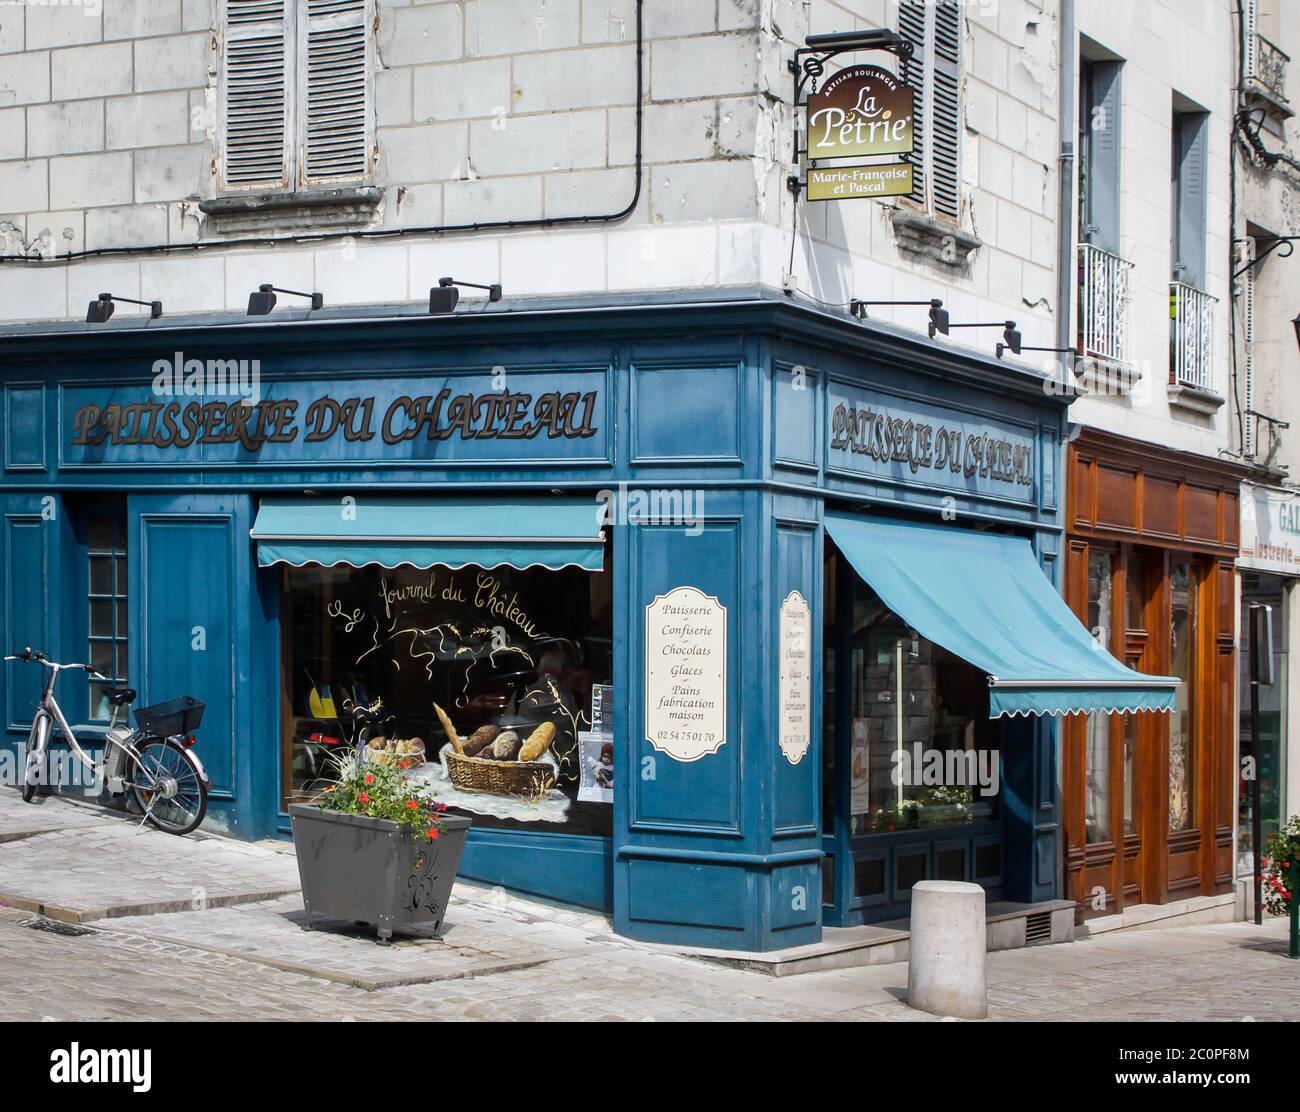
x,y
168,788
38,742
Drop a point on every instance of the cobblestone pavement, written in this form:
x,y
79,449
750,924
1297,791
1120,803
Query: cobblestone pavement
x,y
506,958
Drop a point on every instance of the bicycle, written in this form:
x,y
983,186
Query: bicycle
x,y
155,763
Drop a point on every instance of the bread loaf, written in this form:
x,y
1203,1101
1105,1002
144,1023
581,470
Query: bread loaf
x,y
538,742
447,725
506,746
479,740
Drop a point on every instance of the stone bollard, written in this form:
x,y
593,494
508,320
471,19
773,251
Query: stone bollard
x,y
946,954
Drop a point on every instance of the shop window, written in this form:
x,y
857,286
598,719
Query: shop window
x,y
1268,590
1130,767
107,605
397,659
923,751
1097,809
1182,655
1136,593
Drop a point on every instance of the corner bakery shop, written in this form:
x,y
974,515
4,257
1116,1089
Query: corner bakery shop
x,y
780,582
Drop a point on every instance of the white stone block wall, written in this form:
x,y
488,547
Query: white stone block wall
x,y
1167,47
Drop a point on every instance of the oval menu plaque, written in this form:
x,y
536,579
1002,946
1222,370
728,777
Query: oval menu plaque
x,y
794,687
686,674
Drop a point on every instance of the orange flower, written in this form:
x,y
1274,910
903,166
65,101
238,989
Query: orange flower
x,y
412,805
369,777
327,790
432,833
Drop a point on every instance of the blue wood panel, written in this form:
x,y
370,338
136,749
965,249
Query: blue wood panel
x,y
686,412
29,539
24,426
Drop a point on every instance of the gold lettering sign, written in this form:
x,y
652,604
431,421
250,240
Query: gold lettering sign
x,y
862,110
844,183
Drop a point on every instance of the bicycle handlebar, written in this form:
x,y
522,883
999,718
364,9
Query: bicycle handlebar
x,y
29,654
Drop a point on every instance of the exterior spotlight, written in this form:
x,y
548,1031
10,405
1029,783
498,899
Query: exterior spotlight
x,y
99,310
445,296
938,319
263,301
1011,338
859,308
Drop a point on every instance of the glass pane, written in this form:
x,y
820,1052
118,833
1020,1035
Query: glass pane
x,y
1268,590
101,575
101,617
1136,593
922,744
506,657
1130,758
101,657
121,575
1182,645
1097,788
103,534
121,618
1101,569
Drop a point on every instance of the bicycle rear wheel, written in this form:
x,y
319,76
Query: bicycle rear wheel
x,y
38,743
168,788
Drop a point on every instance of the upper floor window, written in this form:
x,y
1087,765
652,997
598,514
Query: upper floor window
x,y
1187,202
1099,153
934,71
296,93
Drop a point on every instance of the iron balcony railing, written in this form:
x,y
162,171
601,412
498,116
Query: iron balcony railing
x,y
1104,300
1191,336
1266,65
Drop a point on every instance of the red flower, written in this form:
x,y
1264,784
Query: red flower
x,y
405,762
364,797
369,777
432,833
412,805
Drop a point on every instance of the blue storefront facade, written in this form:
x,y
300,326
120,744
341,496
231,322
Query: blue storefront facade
x,y
684,470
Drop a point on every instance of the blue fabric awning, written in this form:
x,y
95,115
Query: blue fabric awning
x,y
424,532
984,598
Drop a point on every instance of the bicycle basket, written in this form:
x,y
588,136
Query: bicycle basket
x,y
176,716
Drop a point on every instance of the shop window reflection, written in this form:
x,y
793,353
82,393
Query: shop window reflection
x,y
1182,649
1097,810
396,659
923,750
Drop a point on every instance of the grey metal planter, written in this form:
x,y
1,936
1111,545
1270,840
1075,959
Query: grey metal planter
x,y
363,869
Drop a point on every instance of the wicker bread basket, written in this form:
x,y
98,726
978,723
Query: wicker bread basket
x,y
527,779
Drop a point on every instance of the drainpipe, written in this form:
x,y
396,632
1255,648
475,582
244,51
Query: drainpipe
x,y
1065,297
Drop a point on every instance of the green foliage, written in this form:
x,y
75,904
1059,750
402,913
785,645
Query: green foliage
x,y
1282,849
382,792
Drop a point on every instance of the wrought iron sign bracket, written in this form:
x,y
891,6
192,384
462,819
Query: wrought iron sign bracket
x,y
1286,243
809,64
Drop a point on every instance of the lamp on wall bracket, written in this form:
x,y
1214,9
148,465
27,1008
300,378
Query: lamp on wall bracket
x,y
99,310
1010,337
445,296
859,308
262,301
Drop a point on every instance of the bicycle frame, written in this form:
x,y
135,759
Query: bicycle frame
x,y
49,707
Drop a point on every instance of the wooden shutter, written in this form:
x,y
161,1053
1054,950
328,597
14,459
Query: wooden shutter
x,y
911,25
1189,198
934,72
1102,119
335,91
945,120
255,128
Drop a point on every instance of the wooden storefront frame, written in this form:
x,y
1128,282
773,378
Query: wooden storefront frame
x,y
1141,501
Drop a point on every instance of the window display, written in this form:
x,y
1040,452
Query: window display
x,y
925,752
479,681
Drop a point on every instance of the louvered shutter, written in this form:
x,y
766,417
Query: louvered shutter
x,y
911,25
945,116
1103,122
1189,189
335,91
255,124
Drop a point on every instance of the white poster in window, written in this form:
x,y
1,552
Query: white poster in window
x,y
794,688
860,767
596,775
686,674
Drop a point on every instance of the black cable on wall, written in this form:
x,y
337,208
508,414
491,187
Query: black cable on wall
x,y
388,233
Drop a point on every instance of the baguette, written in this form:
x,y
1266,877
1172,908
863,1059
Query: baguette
x,y
538,742
447,725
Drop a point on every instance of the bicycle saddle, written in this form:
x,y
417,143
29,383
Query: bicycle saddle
x,y
120,696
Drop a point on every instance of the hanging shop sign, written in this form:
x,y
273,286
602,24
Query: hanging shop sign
x,y
878,435
794,692
686,674
1270,530
845,183
862,110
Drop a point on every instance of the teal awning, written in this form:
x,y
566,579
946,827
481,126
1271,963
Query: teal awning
x,y
984,598
424,532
